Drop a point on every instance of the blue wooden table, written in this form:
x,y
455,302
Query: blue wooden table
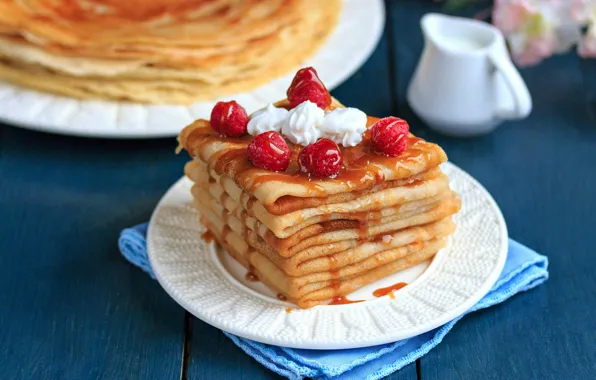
x,y
72,308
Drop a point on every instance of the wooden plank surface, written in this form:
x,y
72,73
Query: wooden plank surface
x,y
542,172
70,306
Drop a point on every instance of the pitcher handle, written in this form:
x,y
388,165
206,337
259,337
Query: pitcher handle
x,y
516,85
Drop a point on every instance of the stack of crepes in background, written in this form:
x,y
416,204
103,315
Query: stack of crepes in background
x,y
315,240
157,51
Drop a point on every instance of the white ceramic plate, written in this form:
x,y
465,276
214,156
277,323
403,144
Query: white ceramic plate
x,y
212,286
351,43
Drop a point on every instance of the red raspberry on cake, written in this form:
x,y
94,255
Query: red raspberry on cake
x,y
321,159
229,119
307,85
390,136
269,151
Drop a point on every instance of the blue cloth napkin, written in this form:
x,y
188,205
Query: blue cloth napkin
x,y
523,270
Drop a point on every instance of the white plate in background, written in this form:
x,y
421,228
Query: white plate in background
x,y
351,43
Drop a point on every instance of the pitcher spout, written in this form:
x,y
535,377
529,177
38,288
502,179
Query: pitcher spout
x,y
429,23
456,34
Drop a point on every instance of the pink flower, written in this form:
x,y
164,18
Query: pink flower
x,y
535,50
510,15
537,29
581,10
585,11
587,46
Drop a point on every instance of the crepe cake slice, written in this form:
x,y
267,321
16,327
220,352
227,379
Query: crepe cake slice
x,y
306,215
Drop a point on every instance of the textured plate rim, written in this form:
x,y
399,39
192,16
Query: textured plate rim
x,y
80,128
453,313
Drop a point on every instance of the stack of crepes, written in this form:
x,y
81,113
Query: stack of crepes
x,y
157,51
314,241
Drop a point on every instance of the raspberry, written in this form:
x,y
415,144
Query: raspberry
x,y
269,151
390,136
229,119
306,85
321,159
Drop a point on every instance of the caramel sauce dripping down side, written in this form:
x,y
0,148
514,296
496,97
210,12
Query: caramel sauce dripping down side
x,y
335,280
245,229
333,264
250,275
224,234
250,205
222,198
363,227
207,236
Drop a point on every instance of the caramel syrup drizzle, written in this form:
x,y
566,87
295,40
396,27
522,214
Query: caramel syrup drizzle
x,y
363,167
389,290
207,236
343,301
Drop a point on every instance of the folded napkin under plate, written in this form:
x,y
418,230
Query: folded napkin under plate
x,y
524,269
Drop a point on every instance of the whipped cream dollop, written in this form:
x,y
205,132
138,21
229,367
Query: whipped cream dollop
x,y
303,123
267,119
344,126
307,123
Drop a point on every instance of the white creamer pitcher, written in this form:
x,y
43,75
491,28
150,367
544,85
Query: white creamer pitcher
x,y
465,84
